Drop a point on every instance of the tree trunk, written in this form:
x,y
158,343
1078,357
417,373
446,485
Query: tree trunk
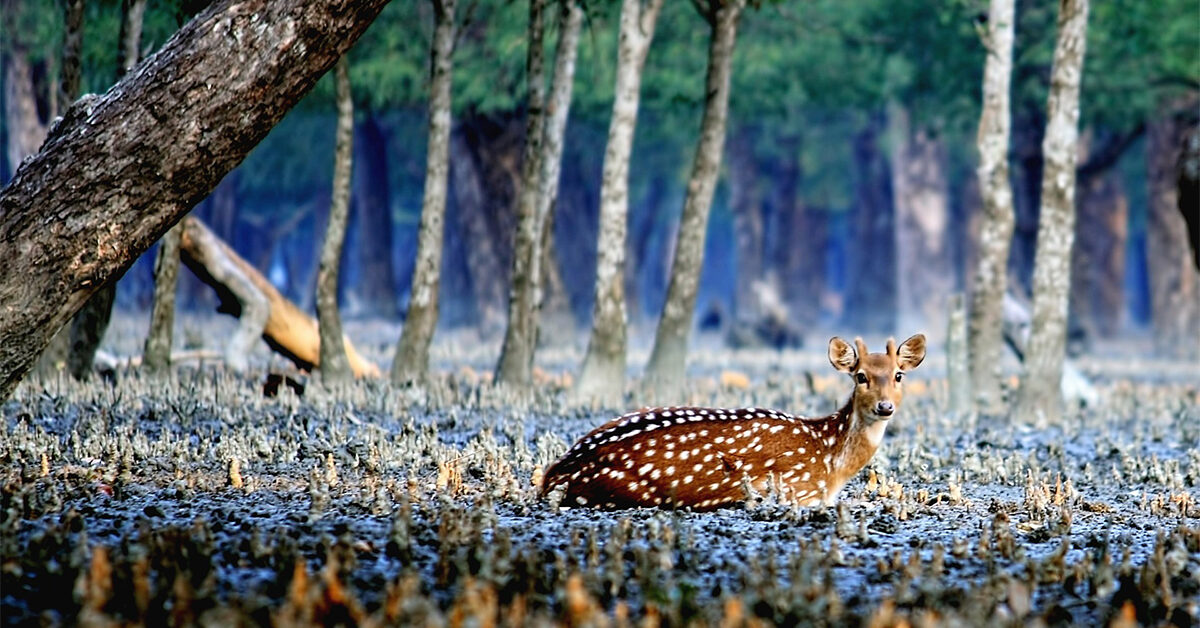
x,y
546,274
119,169
1098,259
89,325
870,302
412,354
602,377
1174,281
372,204
24,128
485,263
924,274
665,372
156,356
1040,396
996,227
244,293
516,355
334,366
79,341
746,203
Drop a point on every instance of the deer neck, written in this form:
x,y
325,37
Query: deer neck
x,y
863,436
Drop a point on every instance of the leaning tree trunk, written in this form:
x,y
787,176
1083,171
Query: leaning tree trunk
x,y
516,355
665,371
412,354
996,227
602,377
1041,396
334,367
1174,280
119,169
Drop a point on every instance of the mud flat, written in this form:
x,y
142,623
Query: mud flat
x,y
196,498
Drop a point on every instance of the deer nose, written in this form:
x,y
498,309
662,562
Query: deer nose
x,y
885,408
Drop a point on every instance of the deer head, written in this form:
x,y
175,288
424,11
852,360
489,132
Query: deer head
x,y
878,377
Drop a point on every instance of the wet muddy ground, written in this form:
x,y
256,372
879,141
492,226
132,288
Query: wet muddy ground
x,y
197,498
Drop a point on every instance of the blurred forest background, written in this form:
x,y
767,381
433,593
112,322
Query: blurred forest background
x,y
848,181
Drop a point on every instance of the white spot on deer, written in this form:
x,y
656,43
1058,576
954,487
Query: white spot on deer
x,y
687,480
633,486
776,429
769,463
655,474
644,469
805,477
581,500
671,470
683,455
787,475
719,439
714,486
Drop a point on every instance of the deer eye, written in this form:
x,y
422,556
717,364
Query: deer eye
x,y
899,376
860,378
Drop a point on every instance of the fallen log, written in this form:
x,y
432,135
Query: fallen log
x,y
263,312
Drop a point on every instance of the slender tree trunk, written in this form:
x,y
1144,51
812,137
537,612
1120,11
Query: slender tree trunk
x,y
372,204
665,371
1174,280
516,355
570,22
924,274
133,12
334,366
156,356
1040,396
1098,259
79,341
996,228
484,260
24,127
412,354
746,202
602,377
102,190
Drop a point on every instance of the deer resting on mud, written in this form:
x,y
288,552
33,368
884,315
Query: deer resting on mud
x,y
703,458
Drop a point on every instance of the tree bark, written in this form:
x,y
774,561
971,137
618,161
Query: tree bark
x,y
550,298
133,14
372,204
334,366
25,129
924,274
244,293
602,376
515,367
119,169
1174,281
412,354
1041,396
665,372
1098,259
72,49
156,355
996,226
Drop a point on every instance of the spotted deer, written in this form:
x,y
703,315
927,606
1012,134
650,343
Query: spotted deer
x,y
705,458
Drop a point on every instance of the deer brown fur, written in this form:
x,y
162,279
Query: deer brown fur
x,y
704,458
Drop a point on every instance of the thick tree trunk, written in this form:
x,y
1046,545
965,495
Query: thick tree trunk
x,y
156,356
996,226
665,372
412,354
118,170
924,274
870,302
334,366
485,261
372,204
244,293
1040,396
602,377
1174,280
516,355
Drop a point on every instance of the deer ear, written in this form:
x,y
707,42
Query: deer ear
x,y
842,355
911,352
